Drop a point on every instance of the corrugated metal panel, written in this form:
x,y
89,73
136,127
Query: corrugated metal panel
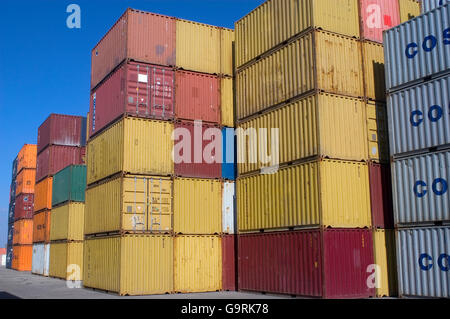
x,y
23,232
41,259
322,124
27,157
9,257
43,195
25,181
66,261
328,193
41,227
22,256
14,169
197,208
374,75
330,62
276,21
23,207
129,265
381,195
228,208
417,49
428,5
69,184
420,188
229,155
409,9
56,157
229,263
11,212
423,262
204,48
197,264
129,146
377,16
227,102
385,258
378,136
68,222
130,203
419,117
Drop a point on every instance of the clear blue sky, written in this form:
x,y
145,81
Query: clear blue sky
x,y
45,66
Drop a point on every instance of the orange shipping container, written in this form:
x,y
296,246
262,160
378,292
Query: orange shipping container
x,y
41,227
43,195
25,181
22,255
23,232
27,157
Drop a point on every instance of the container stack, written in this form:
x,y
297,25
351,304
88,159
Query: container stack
x,y
11,208
418,81
303,192
61,142
23,208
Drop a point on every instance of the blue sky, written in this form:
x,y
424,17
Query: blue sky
x,y
45,66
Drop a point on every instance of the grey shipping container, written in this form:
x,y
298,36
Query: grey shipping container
x,y
428,5
418,49
423,261
41,259
421,190
419,117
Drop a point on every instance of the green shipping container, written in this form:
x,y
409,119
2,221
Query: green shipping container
x,y
69,184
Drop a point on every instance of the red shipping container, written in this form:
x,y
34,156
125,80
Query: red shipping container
x,y
381,196
60,129
56,157
197,97
24,208
205,150
330,263
137,35
228,263
137,89
377,16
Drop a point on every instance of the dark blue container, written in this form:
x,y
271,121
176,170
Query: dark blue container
x,y
229,154
14,169
12,191
11,211
9,256
10,234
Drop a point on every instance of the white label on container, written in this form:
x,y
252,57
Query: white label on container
x,y
142,78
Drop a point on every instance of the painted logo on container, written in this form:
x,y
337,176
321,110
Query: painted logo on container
x,y
439,187
428,44
435,114
427,262
94,98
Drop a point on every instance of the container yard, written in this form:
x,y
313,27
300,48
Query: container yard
x,y
301,152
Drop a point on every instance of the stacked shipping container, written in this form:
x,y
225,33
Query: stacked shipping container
x,y
418,70
11,209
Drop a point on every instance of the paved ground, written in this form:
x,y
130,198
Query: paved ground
x,y
15,284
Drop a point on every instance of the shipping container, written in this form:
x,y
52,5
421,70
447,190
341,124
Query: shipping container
x,y
25,181
22,256
423,265
409,9
12,190
229,265
68,222
41,259
60,129
14,169
23,232
11,212
312,263
69,184
56,157
419,117
373,68
129,265
66,261
43,195
197,96
129,146
9,257
27,157
10,233
378,136
197,263
229,154
381,196
136,89
24,207
330,62
385,260
276,21
377,16
197,207
228,208
420,189
417,49
41,227
329,193
137,35
321,124
227,101
428,5
197,150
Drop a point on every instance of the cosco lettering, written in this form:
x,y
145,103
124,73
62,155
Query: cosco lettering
x,y
428,44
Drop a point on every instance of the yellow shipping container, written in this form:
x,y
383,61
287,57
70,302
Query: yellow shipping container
x,y
321,124
68,222
132,145
329,193
198,263
374,76
276,21
385,258
130,203
378,132
197,206
66,260
204,48
129,265
408,9
317,60
227,103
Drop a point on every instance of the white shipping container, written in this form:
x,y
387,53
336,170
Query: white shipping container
x,y
41,259
228,208
428,5
419,117
417,49
423,261
421,189
3,260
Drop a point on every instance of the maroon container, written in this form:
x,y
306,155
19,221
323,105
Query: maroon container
x,y
228,263
197,97
381,196
56,157
329,263
24,206
59,129
137,89
199,144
